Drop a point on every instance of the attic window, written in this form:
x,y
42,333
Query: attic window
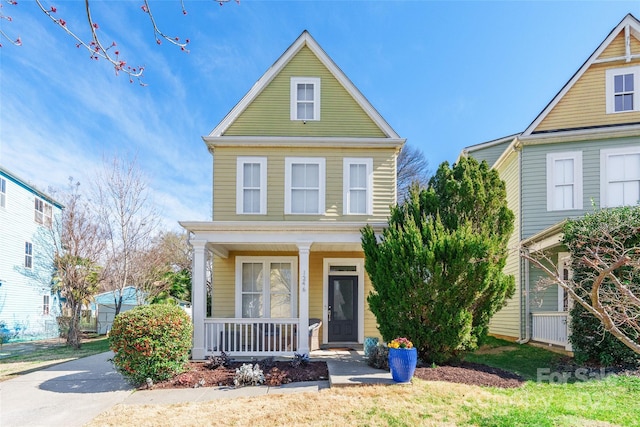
x,y
305,98
623,89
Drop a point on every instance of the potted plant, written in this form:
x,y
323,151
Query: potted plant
x,y
403,358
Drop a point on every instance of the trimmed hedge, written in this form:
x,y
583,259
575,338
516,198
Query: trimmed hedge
x,y
151,341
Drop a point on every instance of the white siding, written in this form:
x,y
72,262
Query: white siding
x,y
21,294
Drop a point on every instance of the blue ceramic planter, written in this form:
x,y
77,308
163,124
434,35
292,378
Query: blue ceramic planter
x,y
402,363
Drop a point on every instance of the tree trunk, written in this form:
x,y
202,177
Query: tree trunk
x,y
119,304
73,336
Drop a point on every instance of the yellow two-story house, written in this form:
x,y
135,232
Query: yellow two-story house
x,y
300,165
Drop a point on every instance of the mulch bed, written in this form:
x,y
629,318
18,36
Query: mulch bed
x,y
198,375
472,374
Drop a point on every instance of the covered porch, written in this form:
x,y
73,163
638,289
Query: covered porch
x,y
548,319
276,288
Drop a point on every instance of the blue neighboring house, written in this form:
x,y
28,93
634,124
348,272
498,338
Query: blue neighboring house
x,y
28,308
103,306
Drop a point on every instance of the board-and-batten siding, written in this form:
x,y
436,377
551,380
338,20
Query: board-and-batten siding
x,y
21,297
224,171
507,321
270,112
584,105
534,177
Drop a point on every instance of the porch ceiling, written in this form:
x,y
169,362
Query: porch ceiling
x,y
223,237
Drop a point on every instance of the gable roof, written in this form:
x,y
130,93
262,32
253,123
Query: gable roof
x,y
304,40
631,26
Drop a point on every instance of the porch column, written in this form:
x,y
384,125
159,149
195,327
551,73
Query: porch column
x,y
303,298
198,297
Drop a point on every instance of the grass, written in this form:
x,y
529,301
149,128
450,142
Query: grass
x,y
524,360
47,355
607,402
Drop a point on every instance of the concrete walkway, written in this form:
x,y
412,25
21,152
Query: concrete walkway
x,y
73,393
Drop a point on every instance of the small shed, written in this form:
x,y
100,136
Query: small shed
x,y
105,308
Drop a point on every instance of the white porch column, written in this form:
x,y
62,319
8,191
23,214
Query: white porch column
x,y
198,297
303,298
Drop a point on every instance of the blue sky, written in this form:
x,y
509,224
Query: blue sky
x,y
445,75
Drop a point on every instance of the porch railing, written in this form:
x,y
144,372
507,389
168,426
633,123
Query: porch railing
x,y
550,327
250,337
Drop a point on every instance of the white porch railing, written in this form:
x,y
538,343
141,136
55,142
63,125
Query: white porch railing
x,y
550,327
250,337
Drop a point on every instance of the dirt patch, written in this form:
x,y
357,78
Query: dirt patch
x,y
198,375
495,350
472,374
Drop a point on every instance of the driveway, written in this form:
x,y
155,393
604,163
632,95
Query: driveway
x,y
69,394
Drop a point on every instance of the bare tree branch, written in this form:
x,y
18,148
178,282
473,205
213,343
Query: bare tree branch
x,y
607,297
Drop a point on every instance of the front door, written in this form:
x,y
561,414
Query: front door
x,y
343,309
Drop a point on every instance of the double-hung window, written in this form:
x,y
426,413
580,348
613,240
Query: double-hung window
x,y
304,185
622,89
620,177
357,178
251,185
564,181
3,192
266,287
45,305
43,212
305,98
28,255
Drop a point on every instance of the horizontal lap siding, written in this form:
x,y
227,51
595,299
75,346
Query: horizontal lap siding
x,y
585,103
224,204
543,297
507,321
21,296
534,197
270,115
224,285
490,154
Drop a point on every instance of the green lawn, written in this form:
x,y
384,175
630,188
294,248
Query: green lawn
x,y
50,355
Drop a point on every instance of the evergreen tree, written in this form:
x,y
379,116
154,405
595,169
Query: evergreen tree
x,y
437,270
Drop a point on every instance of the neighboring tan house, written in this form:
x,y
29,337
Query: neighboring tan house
x,y
581,153
27,307
300,165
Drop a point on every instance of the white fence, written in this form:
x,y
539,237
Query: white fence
x,y
249,337
551,327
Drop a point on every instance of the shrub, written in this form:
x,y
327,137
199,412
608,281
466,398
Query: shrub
x,y
248,374
379,357
436,271
608,229
151,341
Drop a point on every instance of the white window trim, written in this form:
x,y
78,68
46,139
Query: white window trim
x,y
576,156
240,184
315,81
346,177
610,74
3,194
326,272
266,261
288,162
30,255
604,155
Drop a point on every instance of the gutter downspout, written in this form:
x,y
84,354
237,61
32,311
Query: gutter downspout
x,y
527,334
527,314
